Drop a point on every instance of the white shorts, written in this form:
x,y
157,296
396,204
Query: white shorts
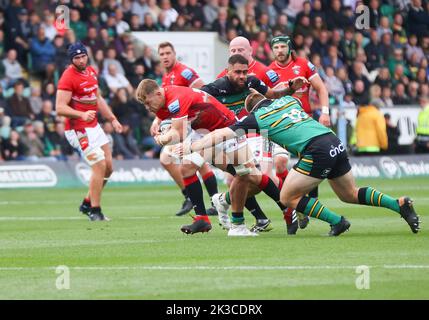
x,y
96,138
279,151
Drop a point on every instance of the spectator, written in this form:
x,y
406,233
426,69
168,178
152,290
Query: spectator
x,y
398,27
42,55
116,80
359,72
342,75
398,59
264,23
371,134
360,95
33,146
121,25
195,11
332,58
250,27
422,130
384,26
374,13
303,26
36,100
320,45
386,96
335,19
19,105
386,48
269,8
375,96
396,42
47,117
140,8
262,43
282,26
135,23
49,26
418,19
5,122
348,46
154,9
138,75
294,7
421,76
93,40
49,92
79,27
149,23
383,78
156,73
220,24
170,13
413,92
412,48
373,51
125,144
13,70
61,58
399,96
57,144
13,148
333,84
111,59
210,10
393,134
399,76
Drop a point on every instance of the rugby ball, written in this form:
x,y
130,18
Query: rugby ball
x,y
165,125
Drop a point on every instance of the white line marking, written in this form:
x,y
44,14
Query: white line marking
x,y
213,268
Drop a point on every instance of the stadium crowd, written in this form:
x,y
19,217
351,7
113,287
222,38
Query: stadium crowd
x,y
385,65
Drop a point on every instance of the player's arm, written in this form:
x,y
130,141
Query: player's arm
x,y
197,84
294,85
210,140
176,134
154,127
62,106
107,113
323,95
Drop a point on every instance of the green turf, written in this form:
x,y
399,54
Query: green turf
x,y
141,254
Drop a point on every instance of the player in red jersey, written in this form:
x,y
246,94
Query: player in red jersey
x,y
205,114
289,66
179,74
78,100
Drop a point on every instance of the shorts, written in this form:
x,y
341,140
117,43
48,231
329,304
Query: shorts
x,y
91,138
279,151
324,158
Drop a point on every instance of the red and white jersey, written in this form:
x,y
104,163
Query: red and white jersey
x,y
84,87
180,75
260,71
299,68
202,110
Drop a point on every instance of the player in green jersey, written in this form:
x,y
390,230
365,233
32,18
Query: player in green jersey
x,y
321,156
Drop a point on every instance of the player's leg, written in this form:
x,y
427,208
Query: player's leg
x,y
169,164
191,164
345,187
210,182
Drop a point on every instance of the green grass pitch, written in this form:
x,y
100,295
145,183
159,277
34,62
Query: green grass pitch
x,y
141,253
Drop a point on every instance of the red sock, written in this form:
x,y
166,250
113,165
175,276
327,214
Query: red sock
x,y
86,199
282,175
205,218
287,215
264,182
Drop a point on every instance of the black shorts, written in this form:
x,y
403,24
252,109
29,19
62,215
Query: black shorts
x,y
324,157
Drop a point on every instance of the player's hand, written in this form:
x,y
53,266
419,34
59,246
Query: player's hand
x,y
325,120
297,83
157,138
117,126
89,115
154,129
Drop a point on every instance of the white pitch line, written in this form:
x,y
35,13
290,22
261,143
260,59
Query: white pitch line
x,y
10,218
213,268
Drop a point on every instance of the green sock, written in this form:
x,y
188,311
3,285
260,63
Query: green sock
x,y
313,208
227,197
371,197
237,218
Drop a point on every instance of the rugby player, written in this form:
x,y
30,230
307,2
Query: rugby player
x,y
78,100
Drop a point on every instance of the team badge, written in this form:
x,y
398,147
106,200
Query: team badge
x,y
296,70
174,107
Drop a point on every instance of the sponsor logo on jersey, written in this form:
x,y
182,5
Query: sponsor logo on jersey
x,y
174,107
336,150
272,75
187,74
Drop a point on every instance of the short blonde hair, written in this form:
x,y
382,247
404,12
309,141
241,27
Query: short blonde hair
x,y
252,100
145,88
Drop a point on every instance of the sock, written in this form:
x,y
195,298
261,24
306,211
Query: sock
x,y
95,209
371,197
237,218
254,208
314,193
289,216
205,218
185,193
211,183
195,192
270,189
282,176
227,197
86,201
313,208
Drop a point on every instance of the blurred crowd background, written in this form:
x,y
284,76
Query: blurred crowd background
x,y
383,66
